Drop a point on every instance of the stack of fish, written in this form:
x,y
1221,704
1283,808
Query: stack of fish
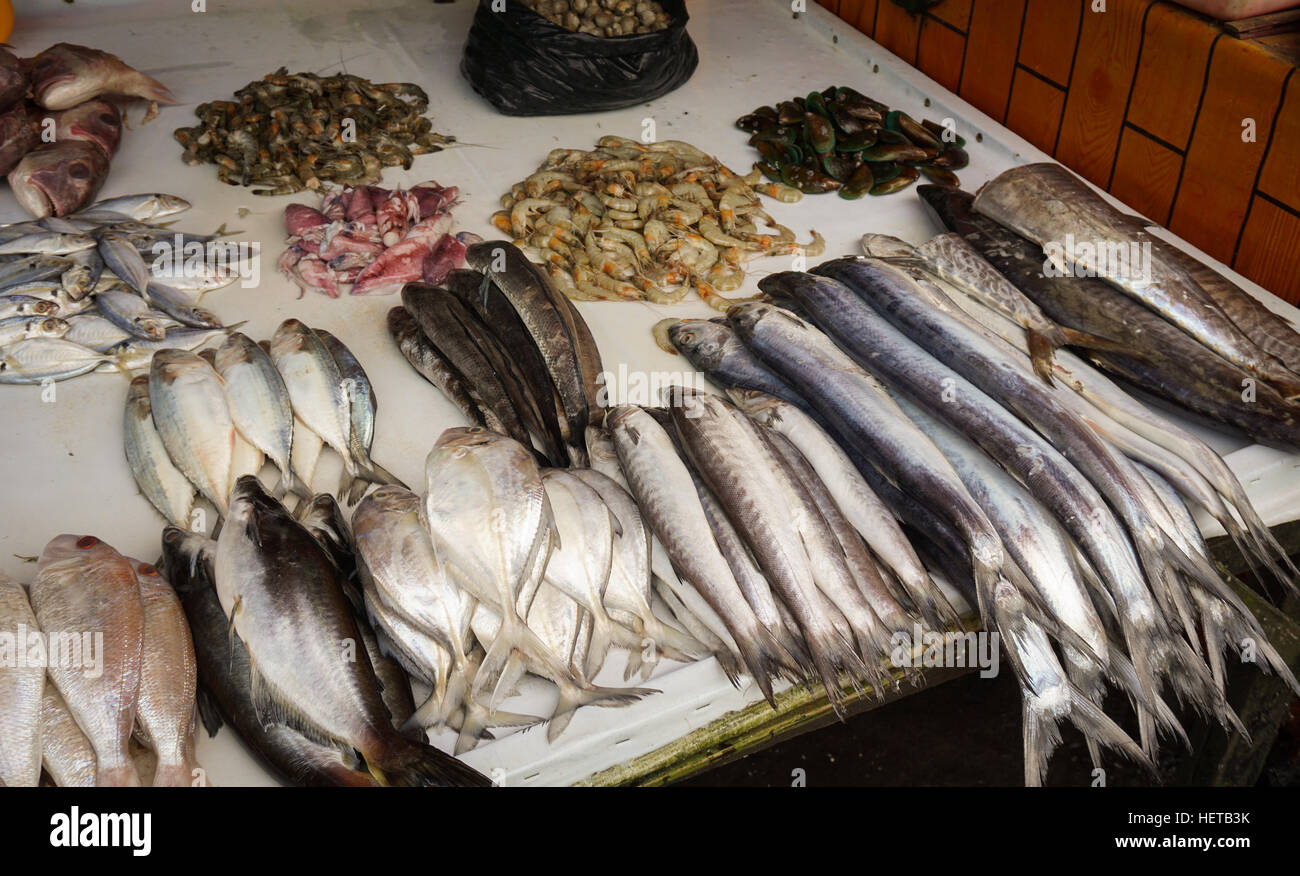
x,y
373,240
104,656
508,349
79,293
285,655
630,220
1058,508
199,421
1188,334
74,87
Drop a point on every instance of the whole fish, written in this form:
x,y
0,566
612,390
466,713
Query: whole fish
x,y
180,306
18,135
132,313
44,242
165,706
142,207
95,121
166,488
259,404
320,396
57,179
21,687
65,75
362,408
193,419
661,483
66,753
1045,202
283,596
1172,364
20,328
26,305
225,676
83,587
124,260
25,269
35,360
13,79
715,349
431,365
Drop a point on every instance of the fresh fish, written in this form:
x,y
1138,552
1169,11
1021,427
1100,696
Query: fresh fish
x,y
14,80
44,242
225,676
20,328
180,306
31,268
259,405
66,753
95,121
57,179
284,598
39,359
431,365
84,587
124,260
363,406
320,396
166,488
715,349
136,353
662,486
18,135
307,446
165,705
1045,202
132,313
21,687
193,419
143,207
25,305
65,75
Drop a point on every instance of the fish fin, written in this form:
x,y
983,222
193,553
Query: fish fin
x,y
1041,351
347,480
404,763
572,697
673,644
1089,341
636,665
505,687
272,708
209,714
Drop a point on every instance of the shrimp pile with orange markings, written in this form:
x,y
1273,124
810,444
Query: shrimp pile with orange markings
x,y
646,221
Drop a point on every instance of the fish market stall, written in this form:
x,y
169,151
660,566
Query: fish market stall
x,y
65,469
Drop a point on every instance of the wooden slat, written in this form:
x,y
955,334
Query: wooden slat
x,y
832,5
898,30
1268,250
1219,172
1035,111
991,59
1103,72
1169,78
1146,175
955,12
1280,177
939,54
859,13
1051,27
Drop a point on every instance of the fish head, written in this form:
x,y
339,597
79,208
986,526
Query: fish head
x,y
757,404
95,121
59,178
744,318
68,550
187,558
52,327
887,246
171,364
290,337
945,203
700,340
237,349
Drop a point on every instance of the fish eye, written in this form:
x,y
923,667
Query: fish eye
x,y
108,118
79,171
147,570
86,542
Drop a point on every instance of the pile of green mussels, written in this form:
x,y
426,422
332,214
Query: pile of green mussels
x,y
838,139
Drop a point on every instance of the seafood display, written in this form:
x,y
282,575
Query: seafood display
x,y
197,422
838,139
508,349
289,132
373,240
77,90
110,659
104,288
602,18
631,221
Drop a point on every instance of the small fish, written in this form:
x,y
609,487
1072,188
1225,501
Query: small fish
x,y
20,691
19,328
180,306
259,403
95,332
57,179
166,488
37,359
65,75
47,243
25,305
142,207
124,260
132,313
193,420
363,406
82,584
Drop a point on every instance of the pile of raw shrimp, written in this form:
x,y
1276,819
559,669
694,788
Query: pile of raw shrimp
x,y
645,221
373,240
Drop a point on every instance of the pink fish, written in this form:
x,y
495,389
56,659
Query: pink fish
x,y
18,136
95,121
65,75
299,217
59,178
444,258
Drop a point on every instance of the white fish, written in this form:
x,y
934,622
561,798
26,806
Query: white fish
x,y
193,419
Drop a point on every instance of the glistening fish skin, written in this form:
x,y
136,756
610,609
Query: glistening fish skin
x,y
66,753
430,364
284,597
164,485
84,586
192,416
21,688
259,402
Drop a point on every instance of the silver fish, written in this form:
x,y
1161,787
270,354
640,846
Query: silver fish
x,y
38,359
26,305
193,420
180,306
21,687
124,260
166,488
132,313
259,404
95,332
23,327
142,207
82,587
47,243
362,408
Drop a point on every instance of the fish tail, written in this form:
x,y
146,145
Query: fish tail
x,y
1041,736
505,686
766,659
347,481
174,775
672,644
1192,680
602,637
933,606
1089,341
404,763
1089,718
573,697
123,776
835,658
1041,351
1237,631
1153,713
636,666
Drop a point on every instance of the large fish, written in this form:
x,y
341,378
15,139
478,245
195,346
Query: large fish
x,y
430,364
192,416
59,178
65,75
18,136
284,598
225,680
165,706
1045,202
13,79
22,682
95,121
86,593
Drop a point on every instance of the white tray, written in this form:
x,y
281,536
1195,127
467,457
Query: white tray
x,y
63,468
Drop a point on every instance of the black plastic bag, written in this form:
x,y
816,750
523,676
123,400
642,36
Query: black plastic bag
x,y
526,66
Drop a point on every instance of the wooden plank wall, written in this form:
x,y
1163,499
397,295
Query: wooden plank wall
x,y
1192,127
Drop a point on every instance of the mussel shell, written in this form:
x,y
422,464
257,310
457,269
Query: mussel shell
x,y
858,184
953,158
820,132
941,175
